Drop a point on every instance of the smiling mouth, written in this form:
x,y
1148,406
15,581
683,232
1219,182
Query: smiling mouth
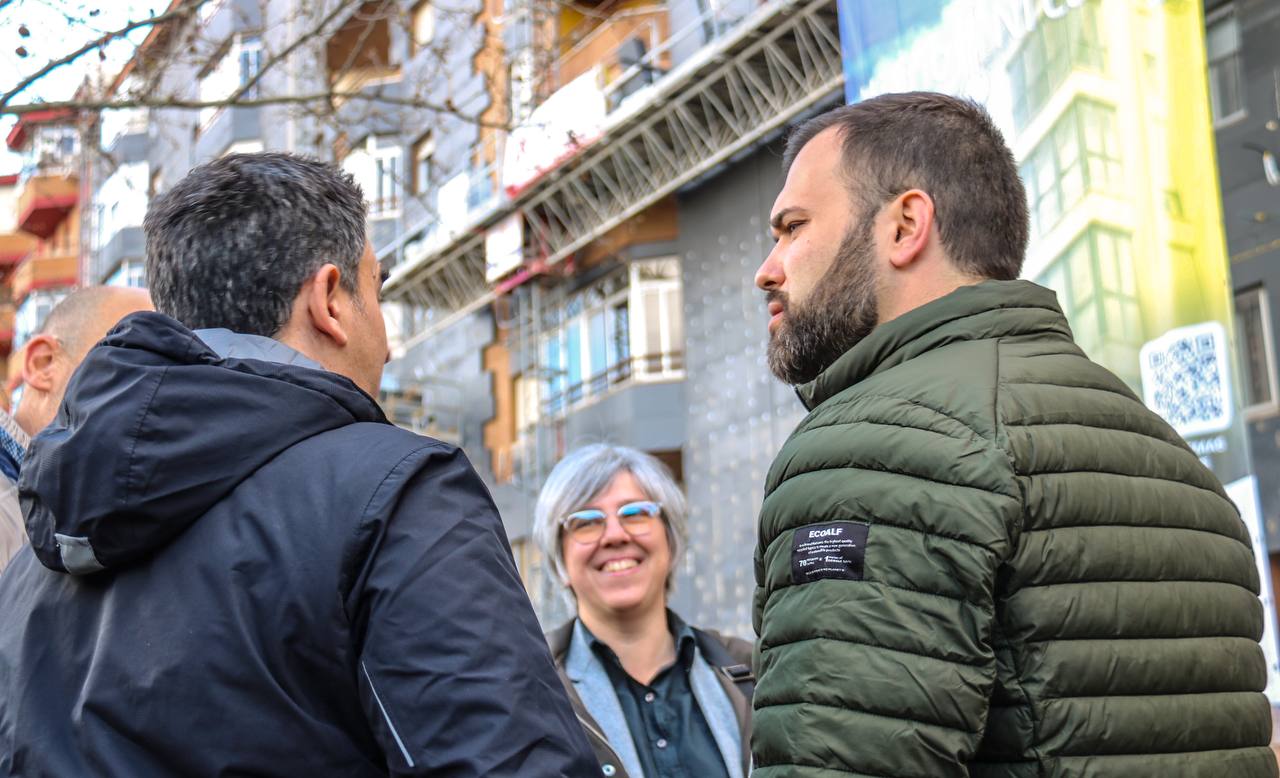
x,y
619,565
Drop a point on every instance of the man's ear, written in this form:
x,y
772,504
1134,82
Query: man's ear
x,y
323,296
38,362
912,219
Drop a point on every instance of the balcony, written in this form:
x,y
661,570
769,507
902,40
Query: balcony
x,y
358,54
124,134
47,197
14,247
44,272
226,127
737,73
638,412
128,243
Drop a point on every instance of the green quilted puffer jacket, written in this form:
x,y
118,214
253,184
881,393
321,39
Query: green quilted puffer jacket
x,y
981,555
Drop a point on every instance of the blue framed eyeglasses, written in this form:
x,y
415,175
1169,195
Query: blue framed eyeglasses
x,y
587,526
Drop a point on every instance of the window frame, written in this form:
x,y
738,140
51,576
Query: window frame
x,y
228,59
1071,126
1236,58
424,150
623,290
1271,406
384,149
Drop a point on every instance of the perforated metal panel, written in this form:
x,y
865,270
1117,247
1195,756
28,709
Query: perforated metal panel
x,y
738,414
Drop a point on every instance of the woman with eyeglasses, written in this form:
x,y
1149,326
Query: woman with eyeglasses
x,y
658,698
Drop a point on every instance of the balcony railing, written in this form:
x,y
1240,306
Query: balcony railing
x,y
43,272
668,366
14,247
458,202
48,195
616,61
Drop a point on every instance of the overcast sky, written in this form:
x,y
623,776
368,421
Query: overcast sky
x,y
56,28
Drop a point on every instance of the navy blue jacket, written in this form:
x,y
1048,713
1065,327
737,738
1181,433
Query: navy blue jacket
x,y
285,585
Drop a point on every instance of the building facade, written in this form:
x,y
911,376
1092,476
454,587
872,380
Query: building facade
x,y
47,218
572,200
1244,84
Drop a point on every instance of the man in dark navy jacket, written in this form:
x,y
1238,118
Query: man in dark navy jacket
x,y
238,567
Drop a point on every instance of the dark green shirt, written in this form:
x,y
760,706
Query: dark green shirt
x,y
671,735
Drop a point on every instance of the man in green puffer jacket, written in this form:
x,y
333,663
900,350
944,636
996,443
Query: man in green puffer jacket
x,y
979,554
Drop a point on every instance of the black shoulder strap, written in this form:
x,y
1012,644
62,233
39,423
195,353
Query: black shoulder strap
x,y
718,657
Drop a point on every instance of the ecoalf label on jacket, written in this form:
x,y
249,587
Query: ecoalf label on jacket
x,y
834,550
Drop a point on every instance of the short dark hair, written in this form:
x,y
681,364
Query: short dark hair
x,y
233,242
946,146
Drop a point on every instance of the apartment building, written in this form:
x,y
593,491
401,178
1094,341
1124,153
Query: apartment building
x,y
47,220
572,200
1244,84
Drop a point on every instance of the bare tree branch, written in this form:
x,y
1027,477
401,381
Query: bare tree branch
x,y
179,103
181,12
283,55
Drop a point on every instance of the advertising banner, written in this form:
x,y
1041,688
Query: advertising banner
x,y
1105,104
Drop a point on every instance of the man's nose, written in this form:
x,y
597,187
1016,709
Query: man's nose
x,y
769,276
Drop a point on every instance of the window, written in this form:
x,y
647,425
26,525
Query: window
x,y
1051,52
53,150
374,163
30,316
1097,289
386,178
130,273
1256,352
1222,44
526,402
1080,154
97,242
423,26
359,53
658,331
250,55
234,66
423,162
121,201
628,326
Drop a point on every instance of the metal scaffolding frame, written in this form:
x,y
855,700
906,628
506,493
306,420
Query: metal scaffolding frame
x,y
780,61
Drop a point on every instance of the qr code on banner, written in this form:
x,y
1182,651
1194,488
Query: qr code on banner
x,y
1186,378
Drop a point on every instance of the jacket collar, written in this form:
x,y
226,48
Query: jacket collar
x,y
991,309
571,648
229,344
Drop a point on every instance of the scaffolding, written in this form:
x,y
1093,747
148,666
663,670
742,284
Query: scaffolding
x,y
775,63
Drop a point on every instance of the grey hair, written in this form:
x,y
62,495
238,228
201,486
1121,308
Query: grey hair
x,y
75,321
234,241
584,473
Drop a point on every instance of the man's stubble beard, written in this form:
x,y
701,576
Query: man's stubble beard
x,y
840,312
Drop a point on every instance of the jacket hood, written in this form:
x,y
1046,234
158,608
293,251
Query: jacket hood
x,y
991,309
154,430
